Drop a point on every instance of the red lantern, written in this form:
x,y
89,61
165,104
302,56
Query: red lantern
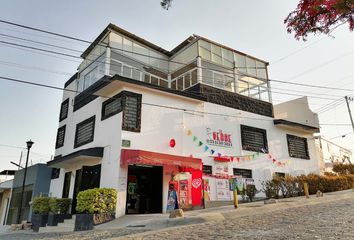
x,y
172,143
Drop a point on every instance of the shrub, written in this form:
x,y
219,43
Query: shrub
x,y
293,186
97,200
271,188
40,205
343,169
59,205
251,191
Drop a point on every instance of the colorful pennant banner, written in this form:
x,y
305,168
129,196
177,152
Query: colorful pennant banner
x,y
222,158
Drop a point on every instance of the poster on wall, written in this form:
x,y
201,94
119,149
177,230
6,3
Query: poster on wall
x,y
222,189
221,169
218,138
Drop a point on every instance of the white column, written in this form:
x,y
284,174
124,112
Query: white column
x,y
199,69
107,60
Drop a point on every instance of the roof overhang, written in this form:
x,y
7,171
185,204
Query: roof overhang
x,y
296,126
141,157
6,185
111,85
87,157
8,172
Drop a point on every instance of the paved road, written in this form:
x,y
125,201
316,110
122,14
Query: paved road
x,y
330,217
317,218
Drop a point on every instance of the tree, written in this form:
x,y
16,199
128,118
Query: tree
x,y
319,16
166,4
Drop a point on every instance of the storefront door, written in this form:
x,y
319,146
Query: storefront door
x,y
87,177
144,189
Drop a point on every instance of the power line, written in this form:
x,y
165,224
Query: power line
x,y
44,31
39,49
104,45
296,51
38,42
73,38
69,55
144,103
16,65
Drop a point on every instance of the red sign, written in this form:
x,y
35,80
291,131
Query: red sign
x,y
218,138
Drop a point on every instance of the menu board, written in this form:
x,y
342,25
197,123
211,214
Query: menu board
x,y
222,189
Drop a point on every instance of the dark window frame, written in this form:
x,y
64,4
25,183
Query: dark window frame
x,y
124,100
55,173
56,142
248,172
114,98
91,119
289,137
61,110
66,185
250,148
207,169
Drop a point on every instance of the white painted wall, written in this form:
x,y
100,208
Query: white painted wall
x,y
296,110
160,124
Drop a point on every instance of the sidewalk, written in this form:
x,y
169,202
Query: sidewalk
x,y
162,221
213,219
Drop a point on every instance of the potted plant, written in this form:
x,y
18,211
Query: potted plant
x,y
95,206
40,208
53,217
63,205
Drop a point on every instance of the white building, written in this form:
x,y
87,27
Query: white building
x,y
136,116
333,153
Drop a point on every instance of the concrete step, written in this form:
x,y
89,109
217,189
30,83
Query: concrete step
x,y
67,226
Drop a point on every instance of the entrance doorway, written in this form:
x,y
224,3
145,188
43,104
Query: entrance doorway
x,y
87,177
144,189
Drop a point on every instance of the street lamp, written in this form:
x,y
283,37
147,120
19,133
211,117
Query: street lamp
x,y
29,145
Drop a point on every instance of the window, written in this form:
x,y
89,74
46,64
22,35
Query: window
x,y
66,186
84,132
131,112
111,107
60,137
64,110
245,173
279,174
254,139
55,173
207,169
297,147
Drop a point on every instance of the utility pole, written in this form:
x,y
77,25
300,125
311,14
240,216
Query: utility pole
x,y
350,113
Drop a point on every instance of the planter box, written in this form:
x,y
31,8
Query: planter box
x,y
39,220
53,219
67,216
84,222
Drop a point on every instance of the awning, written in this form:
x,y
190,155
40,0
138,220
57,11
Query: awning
x,y
88,157
158,159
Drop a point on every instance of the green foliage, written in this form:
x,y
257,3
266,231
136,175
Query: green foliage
x,y
293,186
59,205
97,200
271,188
343,169
251,191
40,205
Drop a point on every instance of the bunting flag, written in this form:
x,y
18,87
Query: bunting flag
x,y
206,148
221,157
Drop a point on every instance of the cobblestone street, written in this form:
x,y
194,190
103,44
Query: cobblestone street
x,y
330,217
325,220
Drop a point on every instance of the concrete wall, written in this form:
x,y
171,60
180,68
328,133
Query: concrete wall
x,y
160,124
296,110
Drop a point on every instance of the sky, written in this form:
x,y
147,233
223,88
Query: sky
x,y
255,27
